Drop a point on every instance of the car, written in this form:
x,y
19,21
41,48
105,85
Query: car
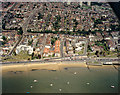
x,y
46,59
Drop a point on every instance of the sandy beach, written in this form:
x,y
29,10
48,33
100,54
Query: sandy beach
x,y
35,66
48,66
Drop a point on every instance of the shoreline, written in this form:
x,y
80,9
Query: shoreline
x,y
45,66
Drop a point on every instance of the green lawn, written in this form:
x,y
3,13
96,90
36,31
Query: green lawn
x,y
111,54
91,54
80,52
96,62
22,56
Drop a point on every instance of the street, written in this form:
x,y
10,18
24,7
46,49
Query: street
x,y
67,59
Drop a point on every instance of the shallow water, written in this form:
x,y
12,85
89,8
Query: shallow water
x,y
96,80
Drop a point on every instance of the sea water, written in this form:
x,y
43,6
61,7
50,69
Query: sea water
x,y
94,80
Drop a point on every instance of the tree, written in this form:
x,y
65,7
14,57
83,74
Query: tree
x,y
101,53
89,48
3,43
4,38
53,40
30,42
53,55
14,53
73,49
97,53
20,31
32,55
39,56
40,16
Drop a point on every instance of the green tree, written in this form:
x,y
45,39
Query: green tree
x,y
32,55
20,31
53,40
97,53
30,42
4,38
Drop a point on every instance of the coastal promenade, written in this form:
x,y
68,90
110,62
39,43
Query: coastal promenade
x,y
65,59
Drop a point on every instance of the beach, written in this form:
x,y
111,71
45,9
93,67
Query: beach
x,y
47,65
35,66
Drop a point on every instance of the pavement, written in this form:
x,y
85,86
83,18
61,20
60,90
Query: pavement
x,y
78,58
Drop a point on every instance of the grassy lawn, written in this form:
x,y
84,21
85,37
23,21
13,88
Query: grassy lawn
x,y
87,7
80,52
91,54
111,54
22,56
96,62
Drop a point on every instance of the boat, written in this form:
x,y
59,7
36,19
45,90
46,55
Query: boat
x,y
75,73
35,81
60,89
112,86
68,82
51,84
88,83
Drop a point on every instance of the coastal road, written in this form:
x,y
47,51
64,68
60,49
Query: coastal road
x,y
67,59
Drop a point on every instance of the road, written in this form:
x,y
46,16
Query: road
x,y
24,26
61,47
15,45
86,46
9,9
67,59
20,38
43,43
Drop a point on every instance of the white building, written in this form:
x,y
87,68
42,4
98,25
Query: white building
x,y
79,49
91,37
57,54
24,48
112,48
79,43
107,38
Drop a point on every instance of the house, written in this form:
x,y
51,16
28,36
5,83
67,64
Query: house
x,y
95,48
5,50
57,46
46,52
112,48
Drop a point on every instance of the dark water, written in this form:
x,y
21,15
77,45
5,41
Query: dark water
x,y
96,80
